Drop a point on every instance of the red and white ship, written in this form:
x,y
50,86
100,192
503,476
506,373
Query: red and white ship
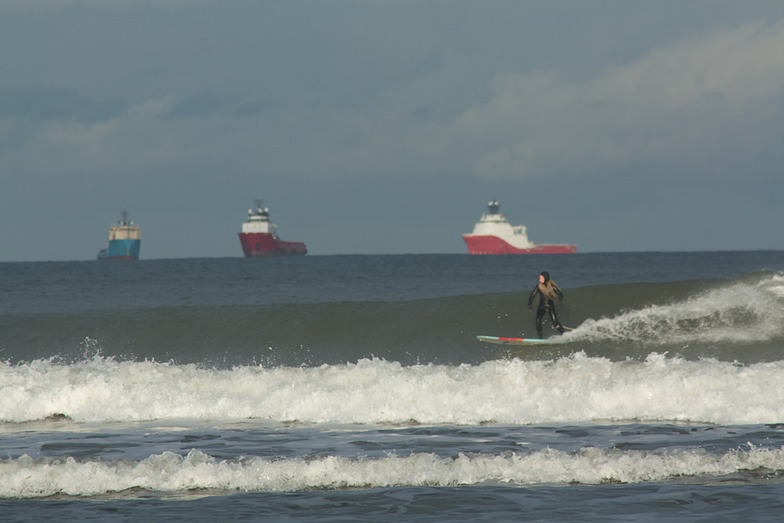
x,y
259,238
493,235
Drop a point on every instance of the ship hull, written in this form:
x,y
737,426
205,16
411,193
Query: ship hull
x,y
263,245
495,245
121,250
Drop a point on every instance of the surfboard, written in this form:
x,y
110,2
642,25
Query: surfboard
x,y
515,341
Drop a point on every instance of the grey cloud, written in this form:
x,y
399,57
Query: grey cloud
x,y
202,104
52,103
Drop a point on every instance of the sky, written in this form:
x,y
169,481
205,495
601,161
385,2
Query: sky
x,y
385,126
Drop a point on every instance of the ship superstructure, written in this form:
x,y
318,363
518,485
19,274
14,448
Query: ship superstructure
x,y
493,234
259,236
125,240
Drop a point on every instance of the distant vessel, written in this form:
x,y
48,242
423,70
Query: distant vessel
x,y
259,239
125,240
493,235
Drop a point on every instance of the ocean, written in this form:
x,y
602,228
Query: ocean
x,y
353,388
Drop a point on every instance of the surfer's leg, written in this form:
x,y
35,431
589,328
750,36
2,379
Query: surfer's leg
x,y
539,316
554,318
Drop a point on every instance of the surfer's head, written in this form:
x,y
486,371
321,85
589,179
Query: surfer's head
x,y
544,276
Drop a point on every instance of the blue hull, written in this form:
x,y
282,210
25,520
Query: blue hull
x,y
121,250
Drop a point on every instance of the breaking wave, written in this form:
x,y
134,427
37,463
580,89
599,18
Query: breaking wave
x,y
26,477
570,389
736,320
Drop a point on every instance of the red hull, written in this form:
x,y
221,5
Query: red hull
x,y
259,245
495,245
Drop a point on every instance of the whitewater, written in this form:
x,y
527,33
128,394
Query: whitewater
x,y
572,389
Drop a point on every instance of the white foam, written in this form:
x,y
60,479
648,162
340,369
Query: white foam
x,y
572,389
741,312
168,472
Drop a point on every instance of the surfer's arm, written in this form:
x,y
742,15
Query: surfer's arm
x,y
532,296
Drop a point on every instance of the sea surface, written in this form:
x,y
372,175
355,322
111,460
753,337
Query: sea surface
x,y
353,388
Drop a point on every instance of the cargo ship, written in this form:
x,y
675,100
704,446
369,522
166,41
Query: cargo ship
x,y
125,240
493,235
259,236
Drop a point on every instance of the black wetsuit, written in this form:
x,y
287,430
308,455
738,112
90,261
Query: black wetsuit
x,y
546,305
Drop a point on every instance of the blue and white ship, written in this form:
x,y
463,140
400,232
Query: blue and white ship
x,y
125,240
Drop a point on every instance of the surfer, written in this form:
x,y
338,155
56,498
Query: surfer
x,y
547,290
